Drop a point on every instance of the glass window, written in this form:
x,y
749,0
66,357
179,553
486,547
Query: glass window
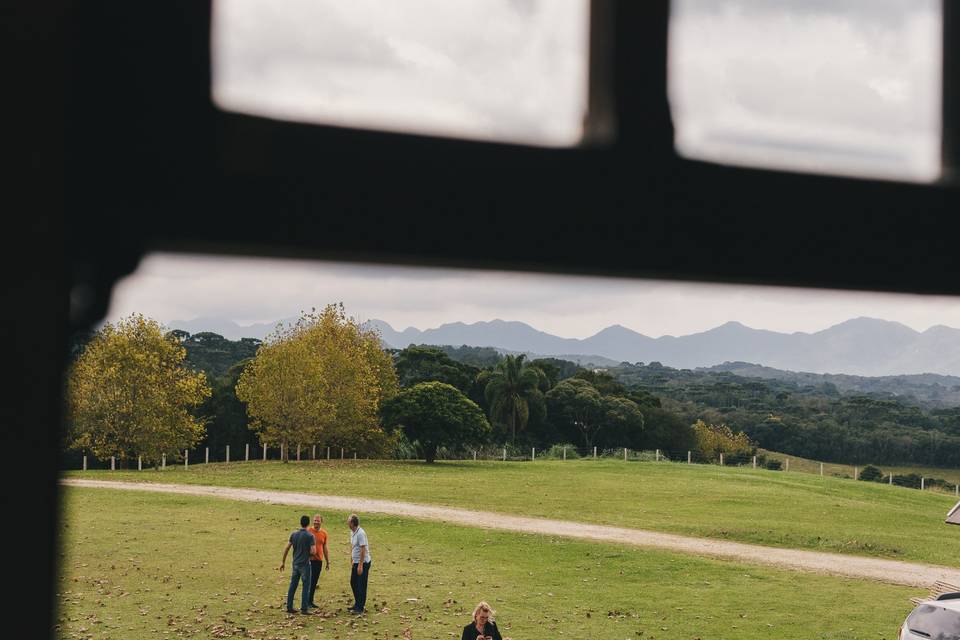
x,y
834,86
505,70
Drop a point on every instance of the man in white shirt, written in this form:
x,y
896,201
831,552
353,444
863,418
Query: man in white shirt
x,y
360,556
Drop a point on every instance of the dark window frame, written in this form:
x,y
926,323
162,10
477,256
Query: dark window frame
x,y
126,154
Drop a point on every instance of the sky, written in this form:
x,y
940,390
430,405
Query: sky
x,y
842,86
837,86
493,69
170,287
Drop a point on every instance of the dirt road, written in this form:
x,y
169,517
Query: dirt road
x,y
890,571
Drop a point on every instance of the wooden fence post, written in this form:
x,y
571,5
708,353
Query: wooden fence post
x,y
688,456
139,463
246,453
228,453
341,453
163,461
313,454
821,469
186,458
594,453
891,477
754,462
474,455
84,462
504,454
206,455
788,464
113,463
298,453
721,459
657,455
533,453
328,453
856,473
624,454
564,453
264,451
923,482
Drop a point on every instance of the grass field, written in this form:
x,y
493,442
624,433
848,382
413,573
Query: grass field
x,y
139,565
805,465
794,510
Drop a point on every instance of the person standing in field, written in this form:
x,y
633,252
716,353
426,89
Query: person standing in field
x,y
304,545
360,557
316,561
482,627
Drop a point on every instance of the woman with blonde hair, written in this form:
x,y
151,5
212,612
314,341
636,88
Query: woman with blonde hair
x,y
483,627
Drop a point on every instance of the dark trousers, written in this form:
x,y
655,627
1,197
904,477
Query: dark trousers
x,y
299,573
358,584
316,566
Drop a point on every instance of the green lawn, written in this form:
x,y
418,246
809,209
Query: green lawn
x,y
795,510
140,565
806,465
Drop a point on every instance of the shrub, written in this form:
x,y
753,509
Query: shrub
x,y
716,439
556,452
911,480
774,465
871,473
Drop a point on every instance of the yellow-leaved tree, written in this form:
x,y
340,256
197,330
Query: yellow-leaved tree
x,y
320,381
129,394
716,439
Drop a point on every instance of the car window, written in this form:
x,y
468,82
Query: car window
x,y
935,622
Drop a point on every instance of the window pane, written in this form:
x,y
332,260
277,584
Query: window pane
x,y
834,86
508,70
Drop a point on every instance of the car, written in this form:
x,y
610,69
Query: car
x,y
937,619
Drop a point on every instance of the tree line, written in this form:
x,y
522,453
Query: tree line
x,y
808,420
137,390
327,380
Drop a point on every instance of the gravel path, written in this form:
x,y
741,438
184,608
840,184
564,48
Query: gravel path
x,y
890,571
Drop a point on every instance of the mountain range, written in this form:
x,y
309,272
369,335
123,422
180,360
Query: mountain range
x,y
862,346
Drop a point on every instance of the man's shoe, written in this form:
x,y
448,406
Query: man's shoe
x,y
305,612
294,611
314,606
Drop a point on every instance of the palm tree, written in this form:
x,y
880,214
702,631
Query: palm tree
x,y
509,389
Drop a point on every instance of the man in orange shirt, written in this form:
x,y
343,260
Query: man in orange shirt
x,y
320,535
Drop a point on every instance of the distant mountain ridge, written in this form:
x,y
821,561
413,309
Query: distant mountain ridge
x,y
860,347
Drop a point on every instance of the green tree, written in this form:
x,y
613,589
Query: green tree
x,y
130,394
602,381
577,404
509,389
229,424
555,370
417,364
319,381
436,414
622,421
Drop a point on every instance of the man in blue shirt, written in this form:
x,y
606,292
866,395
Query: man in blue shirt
x,y
304,545
360,555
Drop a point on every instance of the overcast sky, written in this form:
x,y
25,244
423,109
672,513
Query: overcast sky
x,y
845,86
842,86
171,287
496,69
